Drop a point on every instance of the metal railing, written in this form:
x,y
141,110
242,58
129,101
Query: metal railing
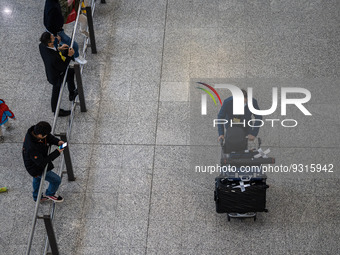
x,y
66,160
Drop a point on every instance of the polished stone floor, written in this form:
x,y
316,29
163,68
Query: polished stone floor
x,y
136,191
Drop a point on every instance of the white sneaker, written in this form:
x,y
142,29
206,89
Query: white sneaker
x,y
85,33
80,60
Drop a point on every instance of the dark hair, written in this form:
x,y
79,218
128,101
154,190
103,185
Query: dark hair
x,y
42,128
45,38
244,93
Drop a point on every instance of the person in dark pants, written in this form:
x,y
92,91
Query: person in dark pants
x,y
54,22
55,67
226,112
36,158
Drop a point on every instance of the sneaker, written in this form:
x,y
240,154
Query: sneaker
x,y
10,128
80,60
55,198
85,33
2,138
43,199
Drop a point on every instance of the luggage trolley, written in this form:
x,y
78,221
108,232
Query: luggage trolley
x,y
241,193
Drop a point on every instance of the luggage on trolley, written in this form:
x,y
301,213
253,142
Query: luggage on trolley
x,y
240,189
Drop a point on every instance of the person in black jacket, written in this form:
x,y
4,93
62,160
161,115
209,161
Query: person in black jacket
x,y
54,22
55,67
36,158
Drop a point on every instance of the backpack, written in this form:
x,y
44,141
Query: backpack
x,y
236,140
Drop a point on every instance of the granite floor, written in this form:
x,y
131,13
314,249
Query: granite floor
x,y
133,151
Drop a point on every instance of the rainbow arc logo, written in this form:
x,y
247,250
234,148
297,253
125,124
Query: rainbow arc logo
x,y
204,96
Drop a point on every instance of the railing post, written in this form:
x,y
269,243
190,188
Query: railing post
x,y
91,30
50,233
67,157
80,88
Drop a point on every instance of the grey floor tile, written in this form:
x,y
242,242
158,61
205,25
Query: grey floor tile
x,y
141,128
169,181
81,155
179,14
302,235
144,91
175,71
327,208
172,125
101,205
174,91
328,236
117,91
131,233
166,207
67,233
111,152
135,180
72,206
128,250
112,132
132,206
95,250
193,238
231,70
138,157
322,138
165,235
172,157
102,228
104,180
79,185
83,132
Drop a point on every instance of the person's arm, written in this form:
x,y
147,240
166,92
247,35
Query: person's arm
x,y
255,130
51,139
9,113
42,161
59,64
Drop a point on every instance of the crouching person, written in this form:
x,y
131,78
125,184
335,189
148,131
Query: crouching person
x,y
36,157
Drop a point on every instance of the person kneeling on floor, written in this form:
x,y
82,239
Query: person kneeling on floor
x,y
36,157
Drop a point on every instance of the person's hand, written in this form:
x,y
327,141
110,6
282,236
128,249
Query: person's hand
x,y
60,150
70,52
251,137
221,137
14,118
60,143
69,2
63,47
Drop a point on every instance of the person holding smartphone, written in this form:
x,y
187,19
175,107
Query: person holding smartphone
x,y
55,67
35,154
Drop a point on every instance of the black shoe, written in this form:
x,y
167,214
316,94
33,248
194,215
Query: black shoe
x,y
64,113
73,95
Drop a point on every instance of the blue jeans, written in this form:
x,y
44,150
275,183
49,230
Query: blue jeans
x,y
65,39
54,181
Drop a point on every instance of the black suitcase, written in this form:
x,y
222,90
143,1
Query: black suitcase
x,y
234,196
238,192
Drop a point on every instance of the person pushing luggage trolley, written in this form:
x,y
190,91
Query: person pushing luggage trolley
x,y
240,194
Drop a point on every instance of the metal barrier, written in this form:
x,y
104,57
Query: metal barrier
x,y
66,160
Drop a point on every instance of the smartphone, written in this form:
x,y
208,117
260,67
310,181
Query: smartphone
x,y
62,146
